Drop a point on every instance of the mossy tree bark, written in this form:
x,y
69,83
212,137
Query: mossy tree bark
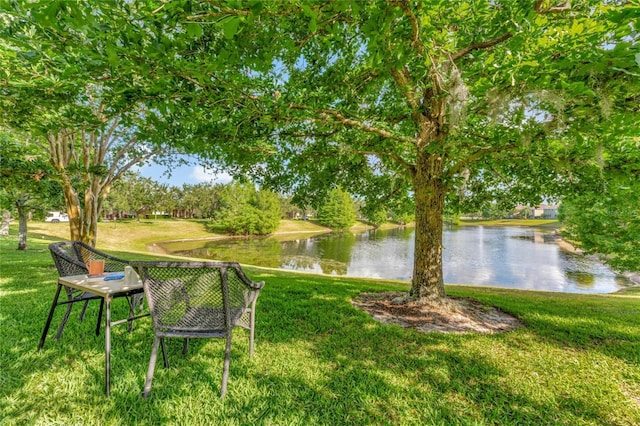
x,y
428,282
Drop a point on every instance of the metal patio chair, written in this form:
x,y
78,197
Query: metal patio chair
x,y
197,300
71,258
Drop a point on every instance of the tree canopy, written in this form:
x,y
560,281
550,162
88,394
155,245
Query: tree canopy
x,y
58,86
606,219
445,104
247,211
440,105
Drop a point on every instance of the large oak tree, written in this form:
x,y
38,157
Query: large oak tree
x,y
443,103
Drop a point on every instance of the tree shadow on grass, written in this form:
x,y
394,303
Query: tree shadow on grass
x,y
609,324
318,360
436,372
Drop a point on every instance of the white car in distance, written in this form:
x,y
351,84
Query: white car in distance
x,y
55,217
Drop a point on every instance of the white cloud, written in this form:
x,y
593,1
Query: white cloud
x,y
201,174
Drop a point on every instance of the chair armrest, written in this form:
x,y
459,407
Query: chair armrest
x,y
246,280
255,285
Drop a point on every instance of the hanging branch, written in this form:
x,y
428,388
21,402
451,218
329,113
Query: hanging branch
x,y
480,46
337,117
560,8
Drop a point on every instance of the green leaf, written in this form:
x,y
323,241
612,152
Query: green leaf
x,y
112,55
306,9
194,30
231,27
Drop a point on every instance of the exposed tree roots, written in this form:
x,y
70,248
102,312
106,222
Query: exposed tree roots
x,y
452,315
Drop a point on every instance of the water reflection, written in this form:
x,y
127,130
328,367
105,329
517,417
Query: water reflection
x,y
493,256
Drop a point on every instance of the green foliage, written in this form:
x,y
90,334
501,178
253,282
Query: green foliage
x,y
289,210
27,176
494,211
377,217
452,219
526,213
247,211
337,211
201,200
402,217
27,181
134,194
605,219
63,83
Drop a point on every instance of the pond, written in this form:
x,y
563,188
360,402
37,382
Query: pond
x,y
513,257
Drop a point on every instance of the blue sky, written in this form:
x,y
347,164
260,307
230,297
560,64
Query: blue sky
x,y
189,174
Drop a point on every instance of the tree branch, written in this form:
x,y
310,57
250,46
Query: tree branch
x,y
415,26
480,46
383,134
395,157
559,8
331,116
308,134
476,155
403,79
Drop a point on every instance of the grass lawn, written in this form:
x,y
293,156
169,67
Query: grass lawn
x,y
136,236
128,235
319,360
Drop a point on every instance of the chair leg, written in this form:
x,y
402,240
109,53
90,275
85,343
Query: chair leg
x,y
131,302
64,321
152,366
251,329
138,301
164,353
83,311
49,318
185,346
225,368
99,317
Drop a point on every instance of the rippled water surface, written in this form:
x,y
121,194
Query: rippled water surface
x,y
511,257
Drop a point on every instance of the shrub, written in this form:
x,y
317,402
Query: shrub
x,y
338,211
247,211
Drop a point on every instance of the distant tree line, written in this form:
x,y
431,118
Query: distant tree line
x,y
235,208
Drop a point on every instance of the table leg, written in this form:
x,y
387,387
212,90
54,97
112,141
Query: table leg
x,y
107,345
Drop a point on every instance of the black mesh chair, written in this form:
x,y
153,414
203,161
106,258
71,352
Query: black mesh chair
x,y
71,258
197,299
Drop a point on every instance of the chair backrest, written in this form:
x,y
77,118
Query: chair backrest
x,y
111,263
205,297
71,258
67,259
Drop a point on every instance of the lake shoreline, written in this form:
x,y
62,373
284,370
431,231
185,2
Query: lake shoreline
x,y
157,248
632,277
461,268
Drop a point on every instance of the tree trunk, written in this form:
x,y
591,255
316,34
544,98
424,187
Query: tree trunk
x,y
428,283
92,204
78,154
83,220
74,211
6,218
22,224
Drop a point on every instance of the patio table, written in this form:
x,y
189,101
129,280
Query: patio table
x,y
108,290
